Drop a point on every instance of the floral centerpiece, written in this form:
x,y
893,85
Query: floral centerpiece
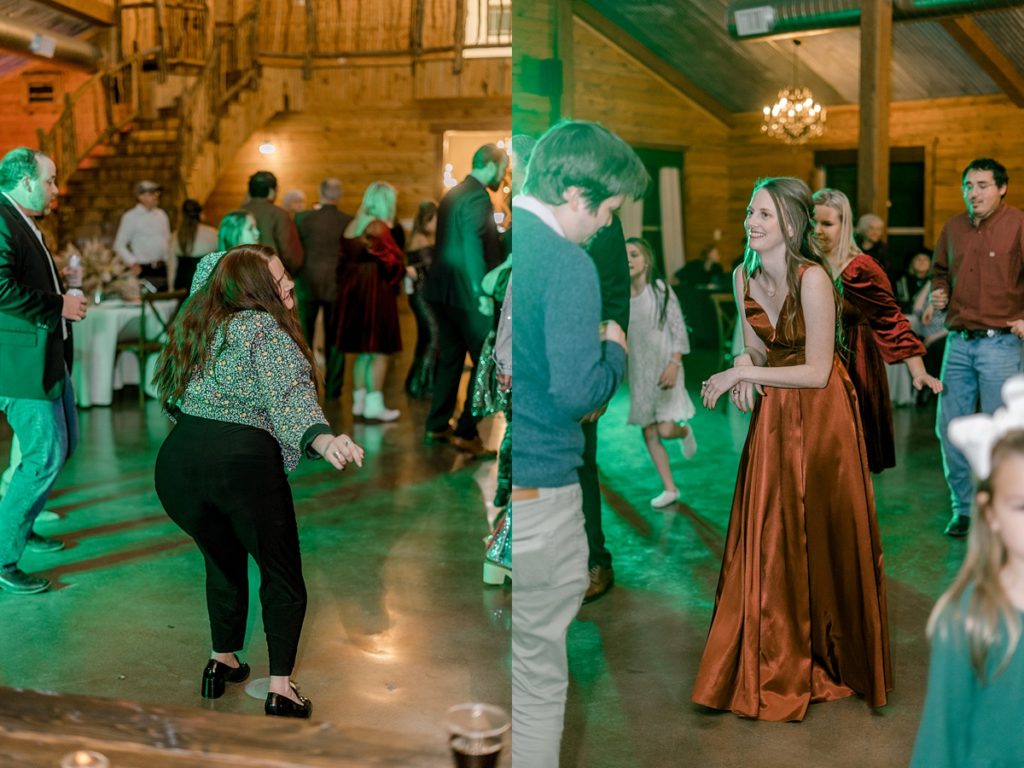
x,y
104,273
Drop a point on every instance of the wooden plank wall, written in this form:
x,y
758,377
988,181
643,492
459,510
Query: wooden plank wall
x,y
351,26
360,124
952,131
532,35
615,90
17,124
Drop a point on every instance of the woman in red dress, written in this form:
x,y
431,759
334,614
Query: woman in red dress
x,y
369,272
874,327
800,611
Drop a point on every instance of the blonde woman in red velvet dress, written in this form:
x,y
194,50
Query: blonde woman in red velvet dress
x,y
800,610
875,330
369,271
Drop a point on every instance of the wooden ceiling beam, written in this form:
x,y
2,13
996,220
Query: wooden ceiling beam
x,y
625,42
93,11
979,46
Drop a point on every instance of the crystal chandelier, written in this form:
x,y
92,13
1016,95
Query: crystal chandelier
x,y
796,116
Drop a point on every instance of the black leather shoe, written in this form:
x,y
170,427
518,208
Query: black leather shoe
x,y
39,543
18,582
282,706
217,674
958,526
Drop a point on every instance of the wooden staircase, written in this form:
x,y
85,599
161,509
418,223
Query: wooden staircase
x,y
135,121
103,185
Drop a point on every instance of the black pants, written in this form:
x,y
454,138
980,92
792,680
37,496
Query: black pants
x,y
459,331
591,491
309,308
419,382
224,485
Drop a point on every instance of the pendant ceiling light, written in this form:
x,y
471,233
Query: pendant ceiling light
x,y
796,116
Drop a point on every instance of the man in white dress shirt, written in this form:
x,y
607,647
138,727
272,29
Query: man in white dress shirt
x,y
143,239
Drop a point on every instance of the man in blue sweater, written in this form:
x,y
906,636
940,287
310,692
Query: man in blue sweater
x,y
567,365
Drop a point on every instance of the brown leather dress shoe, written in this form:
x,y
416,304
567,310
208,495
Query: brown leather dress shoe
x,y
601,580
474,446
438,436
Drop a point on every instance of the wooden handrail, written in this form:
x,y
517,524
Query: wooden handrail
x,y
96,109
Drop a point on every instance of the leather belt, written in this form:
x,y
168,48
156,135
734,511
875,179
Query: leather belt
x,y
525,494
981,333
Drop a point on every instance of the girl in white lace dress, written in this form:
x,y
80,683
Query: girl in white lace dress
x,y
657,342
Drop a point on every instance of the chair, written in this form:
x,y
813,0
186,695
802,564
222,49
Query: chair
x,y
150,342
725,321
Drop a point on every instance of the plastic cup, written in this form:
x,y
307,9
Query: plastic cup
x,y
476,734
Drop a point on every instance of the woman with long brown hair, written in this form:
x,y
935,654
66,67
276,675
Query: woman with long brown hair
x,y
800,610
240,382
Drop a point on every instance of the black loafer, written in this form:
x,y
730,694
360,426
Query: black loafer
x,y
282,706
958,526
217,674
18,582
39,543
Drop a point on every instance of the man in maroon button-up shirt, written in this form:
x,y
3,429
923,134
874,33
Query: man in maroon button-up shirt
x,y
979,276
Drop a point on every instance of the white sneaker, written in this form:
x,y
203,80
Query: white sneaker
x,y
689,444
375,409
665,499
358,402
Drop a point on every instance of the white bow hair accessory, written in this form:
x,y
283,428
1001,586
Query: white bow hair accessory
x,y
976,435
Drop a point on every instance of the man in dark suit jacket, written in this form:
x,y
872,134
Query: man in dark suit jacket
x,y
467,247
276,227
321,232
35,358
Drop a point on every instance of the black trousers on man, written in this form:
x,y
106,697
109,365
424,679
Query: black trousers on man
x,y
460,331
224,485
591,488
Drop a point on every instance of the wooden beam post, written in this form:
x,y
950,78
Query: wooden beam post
x,y
875,92
562,103
979,46
311,48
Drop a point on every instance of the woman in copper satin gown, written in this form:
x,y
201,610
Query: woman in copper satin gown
x,y
874,327
800,611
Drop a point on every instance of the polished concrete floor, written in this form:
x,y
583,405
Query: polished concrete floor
x,y
399,625
634,653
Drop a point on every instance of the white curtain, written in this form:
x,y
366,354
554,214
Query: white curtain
x,y
632,216
673,250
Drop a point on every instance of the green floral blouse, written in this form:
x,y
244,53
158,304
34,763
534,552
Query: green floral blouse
x,y
256,375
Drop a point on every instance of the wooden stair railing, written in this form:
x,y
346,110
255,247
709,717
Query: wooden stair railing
x,y
101,106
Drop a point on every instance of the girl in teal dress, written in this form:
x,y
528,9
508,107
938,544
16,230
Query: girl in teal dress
x,y
974,708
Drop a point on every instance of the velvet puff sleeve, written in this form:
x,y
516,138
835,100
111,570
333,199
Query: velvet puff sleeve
x,y
866,287
382,245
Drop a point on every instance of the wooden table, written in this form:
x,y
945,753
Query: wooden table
x,y
98,370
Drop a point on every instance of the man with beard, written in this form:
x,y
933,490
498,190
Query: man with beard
x,y
35,356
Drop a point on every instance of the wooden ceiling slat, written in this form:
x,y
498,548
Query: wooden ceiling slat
x,y
636,49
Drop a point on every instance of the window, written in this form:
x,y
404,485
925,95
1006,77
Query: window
x,y
42,91
488,28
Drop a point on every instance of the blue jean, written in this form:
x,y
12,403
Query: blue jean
x,y
972,370
47,431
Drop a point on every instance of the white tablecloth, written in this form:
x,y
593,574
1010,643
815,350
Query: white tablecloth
x,y
98,370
